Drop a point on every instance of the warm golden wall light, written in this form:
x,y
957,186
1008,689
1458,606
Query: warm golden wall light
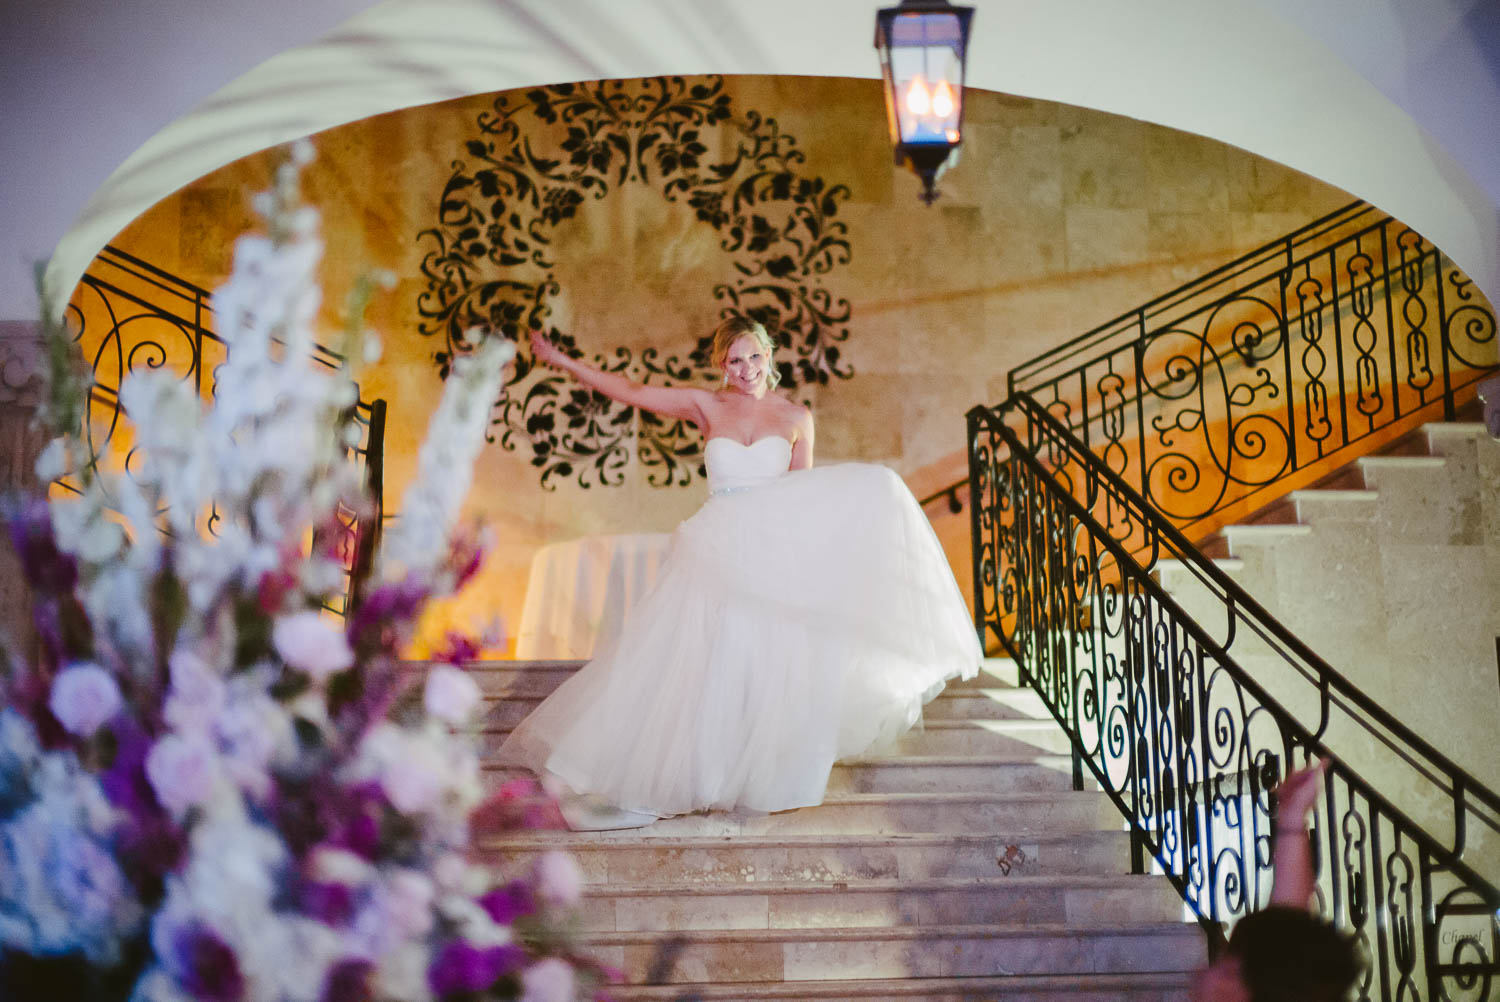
x,y
922,46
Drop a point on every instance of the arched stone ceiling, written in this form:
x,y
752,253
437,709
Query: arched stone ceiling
x,y
1232,70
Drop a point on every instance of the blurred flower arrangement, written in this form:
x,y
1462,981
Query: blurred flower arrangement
x,y
210,789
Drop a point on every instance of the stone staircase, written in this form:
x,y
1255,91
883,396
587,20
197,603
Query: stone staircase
x,y
962,866
1388,569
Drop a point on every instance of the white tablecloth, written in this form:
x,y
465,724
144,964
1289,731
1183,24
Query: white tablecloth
x,y
579,592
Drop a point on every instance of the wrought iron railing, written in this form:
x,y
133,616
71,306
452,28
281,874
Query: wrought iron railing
x,y
1225,393
1164,712
128,315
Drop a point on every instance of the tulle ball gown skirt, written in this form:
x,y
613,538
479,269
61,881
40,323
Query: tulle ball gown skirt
x,y
792,624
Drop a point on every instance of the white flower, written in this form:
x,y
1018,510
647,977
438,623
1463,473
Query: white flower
x,y
410,767
402,974
84,697
307,641
445,463
404,902
399,909
549,980
182,771
414,781
88,882
559,881
252,732
84,530
197,694
333,865
451,694
52,464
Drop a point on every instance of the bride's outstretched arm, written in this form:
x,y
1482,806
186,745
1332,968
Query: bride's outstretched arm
x,y
683,402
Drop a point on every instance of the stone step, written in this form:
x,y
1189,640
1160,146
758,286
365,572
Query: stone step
x,y
1317,507
1068,901
985,737
929,813
522,679
1178,576
821,955
1469,429
1272,534
1146,987
1412,464
1000,736
954,773
995,703
537,679
504,712
642,855
919,774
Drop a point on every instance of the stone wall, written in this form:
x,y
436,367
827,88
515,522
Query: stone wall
x,y
1055,219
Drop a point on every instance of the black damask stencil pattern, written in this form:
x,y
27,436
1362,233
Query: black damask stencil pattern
x,y
542,157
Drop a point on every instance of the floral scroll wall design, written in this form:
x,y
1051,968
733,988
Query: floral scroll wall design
x,y
539,158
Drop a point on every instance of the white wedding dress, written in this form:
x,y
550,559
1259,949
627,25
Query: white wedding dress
x,y
799,618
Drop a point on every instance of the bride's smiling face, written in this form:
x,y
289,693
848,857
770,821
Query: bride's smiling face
x,y
746,366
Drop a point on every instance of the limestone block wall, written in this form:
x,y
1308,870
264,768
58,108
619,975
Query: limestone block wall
x,y
1055,219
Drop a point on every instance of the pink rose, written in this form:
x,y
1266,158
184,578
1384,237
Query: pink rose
x,y
451,694
559,881
84,696
307,641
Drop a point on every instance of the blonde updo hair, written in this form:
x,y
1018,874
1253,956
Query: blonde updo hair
x,y
736,327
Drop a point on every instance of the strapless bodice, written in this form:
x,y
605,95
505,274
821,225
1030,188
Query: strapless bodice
x,y
733,466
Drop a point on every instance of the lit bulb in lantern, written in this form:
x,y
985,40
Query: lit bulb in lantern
x,y
918,101
942,100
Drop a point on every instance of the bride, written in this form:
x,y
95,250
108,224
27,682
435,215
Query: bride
x,y
801,616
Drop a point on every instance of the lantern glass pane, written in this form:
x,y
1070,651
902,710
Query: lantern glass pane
x,y
927,74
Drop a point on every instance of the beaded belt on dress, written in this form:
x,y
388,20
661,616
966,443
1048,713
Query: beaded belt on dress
x,y
730,490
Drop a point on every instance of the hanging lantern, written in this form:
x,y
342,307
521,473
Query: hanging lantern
x,y
922,45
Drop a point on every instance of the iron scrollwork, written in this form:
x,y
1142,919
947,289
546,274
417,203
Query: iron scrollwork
x,y
540,158
130,316
1210,396
1185,741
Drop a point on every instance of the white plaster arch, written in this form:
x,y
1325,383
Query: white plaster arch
x,y
1234,70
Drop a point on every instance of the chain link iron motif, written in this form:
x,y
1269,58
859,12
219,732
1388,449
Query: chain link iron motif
x,y
540,157
1187,741
128,315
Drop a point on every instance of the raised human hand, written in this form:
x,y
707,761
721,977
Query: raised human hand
x,y
1297,793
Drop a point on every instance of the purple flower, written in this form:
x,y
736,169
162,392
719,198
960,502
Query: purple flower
x,y
508,903
353,819
329,903
48,569
205,966
125,782
464,967
150,847
396,601
349,981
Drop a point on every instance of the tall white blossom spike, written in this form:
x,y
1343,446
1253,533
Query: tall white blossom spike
x,y
445,466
